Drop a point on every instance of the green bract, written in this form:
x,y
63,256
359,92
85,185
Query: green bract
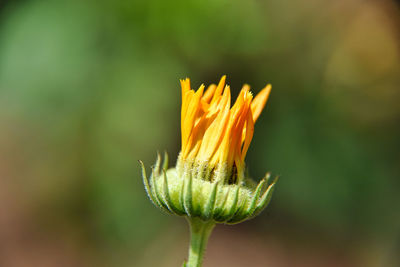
x,y
190,195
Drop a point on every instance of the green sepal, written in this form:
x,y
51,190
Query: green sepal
x,y
187,195
209,207
165,162
146,184
184,193
156,192
167,197
265,198
219,209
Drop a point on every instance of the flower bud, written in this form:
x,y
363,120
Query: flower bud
x,y
209,181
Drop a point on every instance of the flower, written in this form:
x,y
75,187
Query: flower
x,y
209,180
214,135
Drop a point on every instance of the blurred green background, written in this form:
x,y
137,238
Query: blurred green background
x,y
87,88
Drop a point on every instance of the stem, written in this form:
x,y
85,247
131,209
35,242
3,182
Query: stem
x,y
199,233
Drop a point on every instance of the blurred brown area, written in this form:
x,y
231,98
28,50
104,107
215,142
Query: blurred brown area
x,y
89,87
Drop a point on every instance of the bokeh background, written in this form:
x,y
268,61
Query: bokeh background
x,y
87,88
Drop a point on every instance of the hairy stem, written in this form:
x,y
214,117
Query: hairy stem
x,y
199,233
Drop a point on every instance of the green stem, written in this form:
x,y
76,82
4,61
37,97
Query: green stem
x,y
199,233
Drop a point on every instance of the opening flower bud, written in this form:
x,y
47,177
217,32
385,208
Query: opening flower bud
x,y
209,181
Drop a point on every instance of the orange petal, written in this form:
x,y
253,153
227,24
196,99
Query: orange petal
x,y
209,93
259,102
248,135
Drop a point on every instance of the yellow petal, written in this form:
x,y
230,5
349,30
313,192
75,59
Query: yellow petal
x,y
216,130
219,89
186,99
213,131
190,115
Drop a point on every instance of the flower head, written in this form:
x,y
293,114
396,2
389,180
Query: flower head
x,y
209,179
215,135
